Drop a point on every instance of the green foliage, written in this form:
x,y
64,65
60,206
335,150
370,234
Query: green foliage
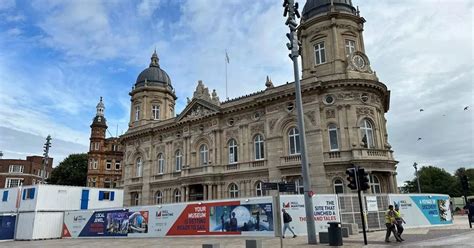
x,y
437,180
71,171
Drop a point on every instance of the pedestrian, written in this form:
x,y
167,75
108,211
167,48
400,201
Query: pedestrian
x,y
286,223
470,210
400,222
390,223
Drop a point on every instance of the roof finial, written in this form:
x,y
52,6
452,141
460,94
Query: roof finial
x,y
154,60
269,83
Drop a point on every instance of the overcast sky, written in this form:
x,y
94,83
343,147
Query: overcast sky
x,y
58,57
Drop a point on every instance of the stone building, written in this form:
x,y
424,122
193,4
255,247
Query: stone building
x,y
17,172
105,154
215,150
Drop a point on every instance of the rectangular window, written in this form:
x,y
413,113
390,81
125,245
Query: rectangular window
x,y
137,113
96,146
108,165
16,169
114,148
320,53
13,182
333,140
117,165
28,194
350,46
5,196
95,164
93,182
106,195
155,112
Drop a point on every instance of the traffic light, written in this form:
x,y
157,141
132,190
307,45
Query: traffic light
x,y
352,178
363,179
465,183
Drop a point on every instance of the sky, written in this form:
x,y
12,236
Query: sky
x,y
58,57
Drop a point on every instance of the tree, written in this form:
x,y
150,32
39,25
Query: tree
x,y
470,175
434,180
71,171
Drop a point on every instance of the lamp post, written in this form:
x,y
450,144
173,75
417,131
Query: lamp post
x,y
417,177
46,147
291,10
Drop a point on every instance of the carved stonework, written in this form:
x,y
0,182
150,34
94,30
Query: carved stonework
x,y
274,107
258,128
272,123
233,133
198,111
365,111
330,113
311,116
178,144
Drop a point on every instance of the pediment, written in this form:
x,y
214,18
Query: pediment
x,y
198,108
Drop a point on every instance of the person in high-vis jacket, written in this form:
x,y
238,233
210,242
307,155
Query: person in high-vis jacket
x,y
400,222
390,223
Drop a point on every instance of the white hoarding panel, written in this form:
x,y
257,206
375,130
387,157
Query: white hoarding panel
x,y
9,200
325,210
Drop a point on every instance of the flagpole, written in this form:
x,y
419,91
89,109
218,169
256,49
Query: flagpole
x,y
226,61
226,97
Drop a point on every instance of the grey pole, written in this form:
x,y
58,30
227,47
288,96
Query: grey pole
x,y
417,177
291,9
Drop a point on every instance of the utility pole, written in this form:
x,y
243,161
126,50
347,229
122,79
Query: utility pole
x,y
417,177
46,147
291,10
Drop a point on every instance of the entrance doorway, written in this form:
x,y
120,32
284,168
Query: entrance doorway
x,y
196,192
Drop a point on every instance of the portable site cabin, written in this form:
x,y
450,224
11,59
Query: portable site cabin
x,y
41,207
8,211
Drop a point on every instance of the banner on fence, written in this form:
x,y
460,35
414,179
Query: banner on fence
x,y
325,209
253,216
371,203
423,210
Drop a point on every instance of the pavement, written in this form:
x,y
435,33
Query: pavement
x,y
456,235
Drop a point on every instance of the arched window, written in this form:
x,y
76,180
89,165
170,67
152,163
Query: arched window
x,y
374,184
259,147
367,133
233,151
203,154
294,141
177,195
333,139
139,167
161,163
338,186
158,197
259,189
179,160
233,190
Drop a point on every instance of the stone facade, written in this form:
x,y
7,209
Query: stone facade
x,y
16,172
105,154
216,150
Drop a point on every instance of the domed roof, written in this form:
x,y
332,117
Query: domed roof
x,y
153,75
316,7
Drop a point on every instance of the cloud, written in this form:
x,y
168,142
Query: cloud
x,y
7,4
147,7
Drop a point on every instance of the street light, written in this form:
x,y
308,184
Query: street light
x,y
291,10
417,177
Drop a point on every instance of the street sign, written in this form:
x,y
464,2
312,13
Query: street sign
x,y
287,187
270,186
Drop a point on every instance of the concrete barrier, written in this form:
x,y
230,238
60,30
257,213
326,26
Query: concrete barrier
x,y
323,237
345,232
211,245
352,228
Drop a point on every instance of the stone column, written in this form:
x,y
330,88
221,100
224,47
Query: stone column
x,y
209,192
391,188
183,189
249,188
219,190
187,193
204,191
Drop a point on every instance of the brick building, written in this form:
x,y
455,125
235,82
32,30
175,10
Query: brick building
x,y
105,154
17,172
